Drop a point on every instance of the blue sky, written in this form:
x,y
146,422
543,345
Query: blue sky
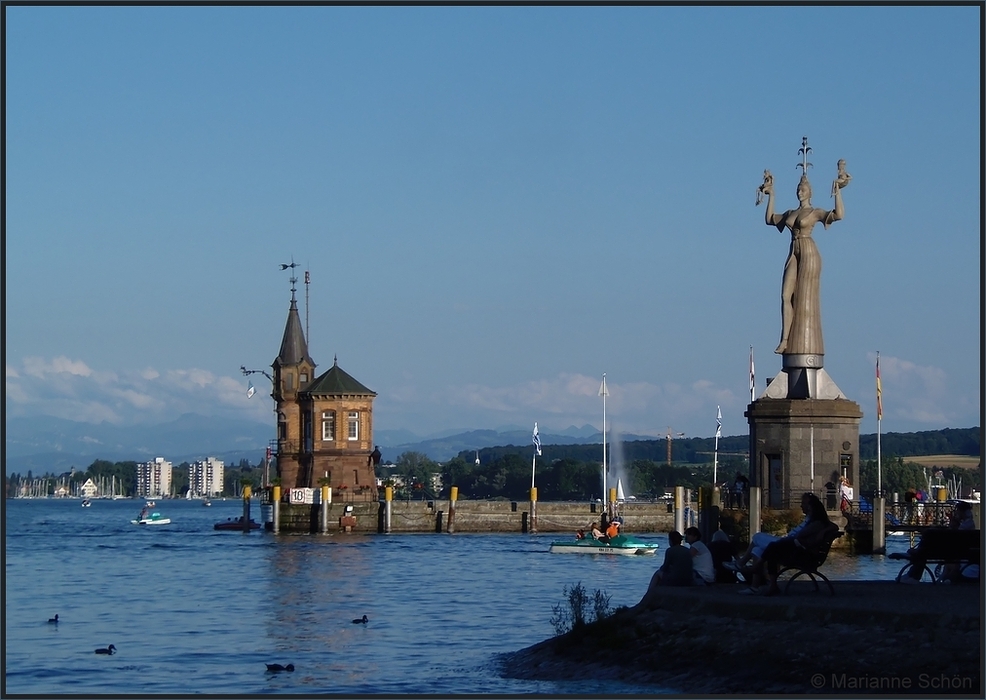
x,y
496,205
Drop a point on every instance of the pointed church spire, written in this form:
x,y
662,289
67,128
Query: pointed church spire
x,y
294,348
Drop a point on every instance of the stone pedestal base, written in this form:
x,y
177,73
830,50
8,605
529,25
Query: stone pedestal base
x,y
782,433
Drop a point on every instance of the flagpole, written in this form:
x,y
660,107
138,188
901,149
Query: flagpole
x,y
879,419
715,463
536,439
534,457
604,392
753,384
812,443
715,454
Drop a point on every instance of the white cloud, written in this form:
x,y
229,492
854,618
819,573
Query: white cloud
x,y
39,367
70,389
915,397
638,407
912,392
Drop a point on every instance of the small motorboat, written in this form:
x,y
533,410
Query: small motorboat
x,y
206,502
150,504
621,544
86,503
237,524
152,519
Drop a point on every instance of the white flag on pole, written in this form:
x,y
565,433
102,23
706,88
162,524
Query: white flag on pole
x,y
718,422
603,391
537,440
251,391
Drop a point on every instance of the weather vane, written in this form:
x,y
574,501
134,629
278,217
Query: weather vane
x,y
294,279
804,151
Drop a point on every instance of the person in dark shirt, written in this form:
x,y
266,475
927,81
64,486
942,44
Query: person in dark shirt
x,y
677,567
675,571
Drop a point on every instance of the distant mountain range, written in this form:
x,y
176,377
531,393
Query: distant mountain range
x,y
45,444
446,447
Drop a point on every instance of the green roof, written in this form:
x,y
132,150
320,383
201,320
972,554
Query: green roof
x,y
336,381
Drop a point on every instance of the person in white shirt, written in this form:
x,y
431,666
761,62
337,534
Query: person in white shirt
x,y
845,493
702,564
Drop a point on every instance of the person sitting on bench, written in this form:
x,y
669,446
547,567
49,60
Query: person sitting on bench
x,y
760,540
942,543
791,550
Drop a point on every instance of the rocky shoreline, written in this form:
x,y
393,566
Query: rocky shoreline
x,y
871,637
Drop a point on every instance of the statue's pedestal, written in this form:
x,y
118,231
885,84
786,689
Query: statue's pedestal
x,y
783,434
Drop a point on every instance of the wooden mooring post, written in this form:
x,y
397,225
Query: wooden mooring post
x,y
388,500
324,503
453,495
246,509
276,507
754,498
879,525
679,508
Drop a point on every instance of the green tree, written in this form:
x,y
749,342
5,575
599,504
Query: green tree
x,y
416,470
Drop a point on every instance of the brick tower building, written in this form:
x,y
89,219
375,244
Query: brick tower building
x,y
324,424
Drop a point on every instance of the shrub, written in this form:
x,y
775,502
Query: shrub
x,y
575,611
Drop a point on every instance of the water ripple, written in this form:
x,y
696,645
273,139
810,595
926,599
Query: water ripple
x,y
193,610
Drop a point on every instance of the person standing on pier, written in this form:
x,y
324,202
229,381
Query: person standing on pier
x,y
740,486
845,494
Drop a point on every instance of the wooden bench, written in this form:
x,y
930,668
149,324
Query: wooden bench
x,y
807,563
939,546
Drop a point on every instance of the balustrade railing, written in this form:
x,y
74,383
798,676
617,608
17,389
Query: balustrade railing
x,y
904,514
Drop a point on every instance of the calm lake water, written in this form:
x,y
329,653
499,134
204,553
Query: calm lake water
x,y
193,610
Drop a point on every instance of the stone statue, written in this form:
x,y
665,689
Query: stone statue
x,y
801,325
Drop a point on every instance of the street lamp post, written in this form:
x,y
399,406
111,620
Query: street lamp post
x,y
246,373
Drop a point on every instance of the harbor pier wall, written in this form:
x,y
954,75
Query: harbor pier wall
x,y
424,516
470,516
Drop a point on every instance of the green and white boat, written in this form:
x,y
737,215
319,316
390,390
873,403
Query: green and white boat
x,y
154,518
621,544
